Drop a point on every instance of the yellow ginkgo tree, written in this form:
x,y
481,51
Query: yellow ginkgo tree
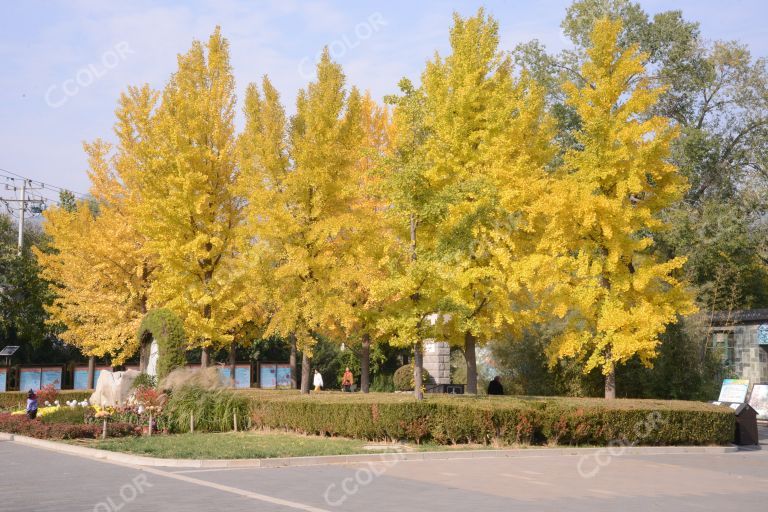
x,y
487,146
301,185
97,265
189,210
603,208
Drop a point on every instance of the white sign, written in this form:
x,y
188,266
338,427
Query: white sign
x,y
734,390
759,400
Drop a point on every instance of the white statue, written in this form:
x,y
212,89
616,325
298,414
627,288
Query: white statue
x,y
152,363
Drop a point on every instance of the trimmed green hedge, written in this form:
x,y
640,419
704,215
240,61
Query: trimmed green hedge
x,y
18,399
501,420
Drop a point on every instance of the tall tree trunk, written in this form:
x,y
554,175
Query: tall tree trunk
x,y
91,372
204,358
469,355
610,384
232,362
292,362
305,373
418,366
365,364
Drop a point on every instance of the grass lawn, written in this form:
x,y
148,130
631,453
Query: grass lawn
x,y
230,445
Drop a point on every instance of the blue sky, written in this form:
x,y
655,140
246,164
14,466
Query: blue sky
x,y
64,63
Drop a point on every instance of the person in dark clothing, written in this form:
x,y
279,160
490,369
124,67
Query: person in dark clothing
x,y
31,405
495,387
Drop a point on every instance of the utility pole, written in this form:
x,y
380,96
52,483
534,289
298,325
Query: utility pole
x,y
22,208
26,185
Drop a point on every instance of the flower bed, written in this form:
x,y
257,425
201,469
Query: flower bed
x,y
20,424
18,399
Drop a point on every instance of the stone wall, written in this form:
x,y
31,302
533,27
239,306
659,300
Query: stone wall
x,y
750,360
437,361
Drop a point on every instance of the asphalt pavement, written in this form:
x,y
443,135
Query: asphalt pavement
x,y
34,479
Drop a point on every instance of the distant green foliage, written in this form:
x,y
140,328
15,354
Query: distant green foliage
x,y
382,383
165,328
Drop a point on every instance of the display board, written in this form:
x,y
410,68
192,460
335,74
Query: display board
x,y
274,376
734,390
242,375
51,376
759,400
29,378
3,379
81,376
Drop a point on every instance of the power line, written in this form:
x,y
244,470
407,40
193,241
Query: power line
x,y
13,176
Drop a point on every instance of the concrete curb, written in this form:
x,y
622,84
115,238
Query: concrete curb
x,y
140,460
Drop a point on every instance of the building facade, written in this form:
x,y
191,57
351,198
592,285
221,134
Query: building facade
x,y
741,337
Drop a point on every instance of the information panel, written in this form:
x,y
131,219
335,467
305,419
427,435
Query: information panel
x,y
29,378
734,390
759,400
283,376
268,376
3,379
50,376
242,375
81,376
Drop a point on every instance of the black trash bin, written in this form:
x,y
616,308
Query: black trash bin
x,y
746,426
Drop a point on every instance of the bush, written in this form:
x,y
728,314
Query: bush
x,y
20,424
403,378
213,410
18,399
501,420
144,380
47,393
67,415
382,383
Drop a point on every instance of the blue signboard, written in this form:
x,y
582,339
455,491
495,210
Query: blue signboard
x,y
29,378
242,375
283,377
268,376
50,376
3,376
762,334
81,377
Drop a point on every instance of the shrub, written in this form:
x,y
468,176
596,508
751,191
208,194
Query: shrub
x,y
65,414
501,420
212,410
382,383
20,424
403,378
47,393
208,378
145,380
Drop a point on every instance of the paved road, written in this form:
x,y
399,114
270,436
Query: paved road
x,y
33,479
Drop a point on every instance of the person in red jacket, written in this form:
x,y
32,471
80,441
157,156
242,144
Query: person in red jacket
x,y
347,381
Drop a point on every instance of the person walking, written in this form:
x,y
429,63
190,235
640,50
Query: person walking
x,y
347,381
318,381
31,405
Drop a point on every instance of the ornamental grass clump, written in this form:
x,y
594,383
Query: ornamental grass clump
x,y
206,410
